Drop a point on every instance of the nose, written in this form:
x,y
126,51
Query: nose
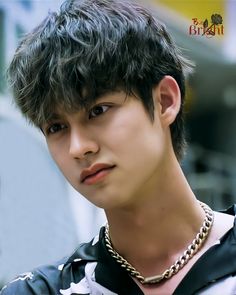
x,y
81,144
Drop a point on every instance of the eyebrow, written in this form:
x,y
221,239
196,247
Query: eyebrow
x,y
102,95
53,117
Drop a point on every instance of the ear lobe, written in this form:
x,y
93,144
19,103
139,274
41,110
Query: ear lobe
x,y
167,95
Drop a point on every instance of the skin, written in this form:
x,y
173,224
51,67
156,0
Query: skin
x,y
146,197
82,139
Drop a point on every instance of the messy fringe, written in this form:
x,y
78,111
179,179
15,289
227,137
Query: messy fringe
x,y
92,47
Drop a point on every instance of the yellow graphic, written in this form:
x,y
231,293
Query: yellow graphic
x,y
200,15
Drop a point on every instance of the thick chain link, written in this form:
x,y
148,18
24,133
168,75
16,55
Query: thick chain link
x,y
192,249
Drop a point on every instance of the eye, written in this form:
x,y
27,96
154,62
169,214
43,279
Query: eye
x,y
98,110
54,128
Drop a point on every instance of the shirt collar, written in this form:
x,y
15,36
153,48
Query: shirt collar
x,y
216,263
206,270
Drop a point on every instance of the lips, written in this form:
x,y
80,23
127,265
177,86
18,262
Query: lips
x,y
94,171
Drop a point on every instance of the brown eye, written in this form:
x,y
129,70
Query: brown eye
x,y
98,110
54,128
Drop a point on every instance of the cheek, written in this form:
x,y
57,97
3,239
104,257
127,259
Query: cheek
x,y
137,141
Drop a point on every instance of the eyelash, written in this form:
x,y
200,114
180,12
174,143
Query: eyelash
x,y
49,129
96,107
63,126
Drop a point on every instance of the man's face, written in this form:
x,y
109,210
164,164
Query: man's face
x,y
112,153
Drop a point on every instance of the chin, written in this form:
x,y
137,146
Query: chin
x,y
105,201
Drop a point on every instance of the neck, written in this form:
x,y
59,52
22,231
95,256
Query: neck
x,y
157,228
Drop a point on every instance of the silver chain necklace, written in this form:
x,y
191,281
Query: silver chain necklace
x,y
192,249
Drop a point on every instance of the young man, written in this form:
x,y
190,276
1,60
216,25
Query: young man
x,y
105,83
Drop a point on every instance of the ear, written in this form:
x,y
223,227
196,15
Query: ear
x,y
167,99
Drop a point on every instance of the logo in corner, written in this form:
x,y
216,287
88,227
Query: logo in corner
x,y
208,29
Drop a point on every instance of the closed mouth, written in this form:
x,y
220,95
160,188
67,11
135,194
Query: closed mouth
x,y
96,173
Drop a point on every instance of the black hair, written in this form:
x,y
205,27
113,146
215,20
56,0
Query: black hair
x,y
92,47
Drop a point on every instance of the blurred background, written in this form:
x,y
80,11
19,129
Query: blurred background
x,y
41,217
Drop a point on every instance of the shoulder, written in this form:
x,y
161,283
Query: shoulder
x,y
43,280
220,287
54,278
225,222
214,271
